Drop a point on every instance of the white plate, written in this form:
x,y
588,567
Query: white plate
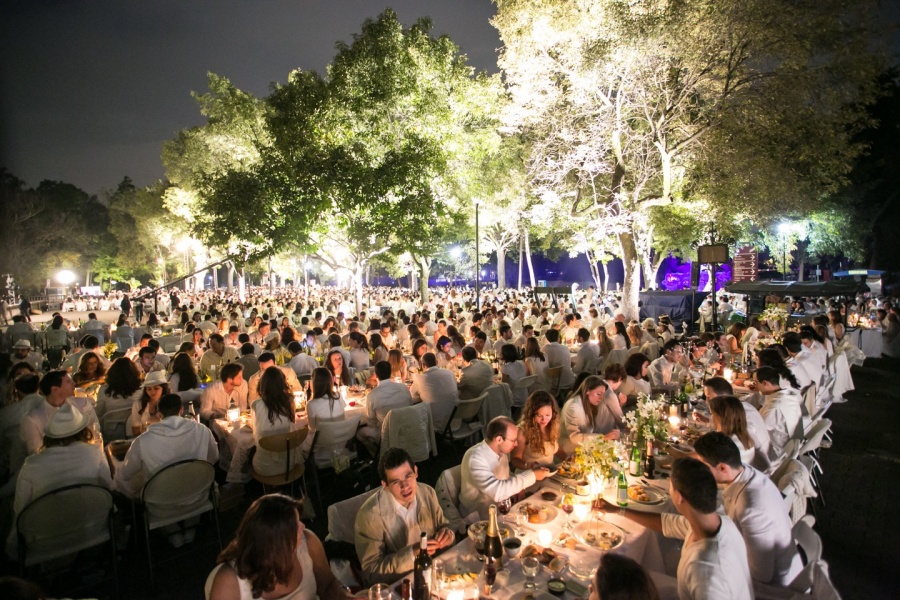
x,y
606,536
547,514
657,496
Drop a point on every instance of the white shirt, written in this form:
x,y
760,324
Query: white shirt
x,y
559,356
408,516
755,505
574,424
436,386
34,422
486,479
214,400
388,395
712,568
782,415
662,372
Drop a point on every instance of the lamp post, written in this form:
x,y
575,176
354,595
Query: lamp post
x,y
477,263
783,229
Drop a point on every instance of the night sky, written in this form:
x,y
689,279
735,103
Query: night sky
x,y
90,90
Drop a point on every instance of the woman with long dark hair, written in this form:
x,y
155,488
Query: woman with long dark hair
x,y
340,373
145,410
272,413
184,373
273,555
538,433
326,404
579,414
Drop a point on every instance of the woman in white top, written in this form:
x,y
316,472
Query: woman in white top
x,y
379,350
145,411
512,371
579,414
122,387
535,361
730,418
270,414
444,352
538,433
609,414
274,557
359,351
636,369
604,344
326,404
619,336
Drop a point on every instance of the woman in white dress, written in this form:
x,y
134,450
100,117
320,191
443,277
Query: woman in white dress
x,y
274,557
730,418
326,404
619,336
272,413
359,351
579,414
512,371
538,433
535,361
445,354
636,369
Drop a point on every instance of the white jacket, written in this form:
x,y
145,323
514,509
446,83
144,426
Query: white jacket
x,y
486,479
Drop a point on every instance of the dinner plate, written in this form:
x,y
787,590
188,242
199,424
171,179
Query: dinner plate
x,y
547,512
657,496
479,526
600,535
684,448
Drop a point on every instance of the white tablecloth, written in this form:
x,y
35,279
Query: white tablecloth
x,y
870,342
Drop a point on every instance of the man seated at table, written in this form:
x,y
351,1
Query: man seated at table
x,y
248,359
755,505
764,458
216,398
132,353
504,336
387,395
713,560
476,377
436,386
22,352
479,340
801,356
486,475
218,354
301,362
146,361
588,354
89,343
390,522
232,339
171,440
266,360
57,388
667,370
559,356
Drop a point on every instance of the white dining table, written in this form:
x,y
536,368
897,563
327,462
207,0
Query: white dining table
x,y
640,544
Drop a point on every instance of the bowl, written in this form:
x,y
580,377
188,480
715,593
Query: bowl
x,y
512,546
556,586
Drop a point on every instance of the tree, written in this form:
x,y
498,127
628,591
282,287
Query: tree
x,y
628,105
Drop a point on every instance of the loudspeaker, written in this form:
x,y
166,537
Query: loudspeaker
x,y
695,275
714,253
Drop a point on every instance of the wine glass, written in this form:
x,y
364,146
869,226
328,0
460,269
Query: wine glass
x,y
568,505
380,591
521,519
479,544
504,505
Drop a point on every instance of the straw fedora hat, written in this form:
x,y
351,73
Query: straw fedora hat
x,y
67,421
154,378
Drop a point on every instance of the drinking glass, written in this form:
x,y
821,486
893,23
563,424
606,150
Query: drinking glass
x,y
380,591
530,567
504,505
437,576
568,506
521,519
479,544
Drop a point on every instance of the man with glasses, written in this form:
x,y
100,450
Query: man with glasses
x,y
390,522
667,370
486,476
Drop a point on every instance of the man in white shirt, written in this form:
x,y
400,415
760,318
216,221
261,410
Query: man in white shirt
x,y
588,354
266,360
89,343
387,395
218,396
146,361
22,352
559,356
207,326
389,524
713,560
477,375
436,386
57,388
781,409
527,332
667,370
301,362
486,475
218,354
755,505
504,336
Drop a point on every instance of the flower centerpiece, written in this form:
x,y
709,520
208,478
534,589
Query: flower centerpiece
x,y
109,348
596,456
775,317
646,421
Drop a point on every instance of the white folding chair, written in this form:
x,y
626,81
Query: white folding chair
x,y
811,545
463,423
177,492
526,384
287,444
447,489
329,437
65,521
410,428
114,424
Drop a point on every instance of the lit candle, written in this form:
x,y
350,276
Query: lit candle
x,y
581,511
728,373
674,421
455,595
545,537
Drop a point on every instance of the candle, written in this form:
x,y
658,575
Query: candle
x,y
545,537
581,511
673,411
728,373
674,421
455,595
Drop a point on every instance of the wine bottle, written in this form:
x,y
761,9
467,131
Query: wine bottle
x,y
189,413
422,571
622,493
493,545
650,462
634,463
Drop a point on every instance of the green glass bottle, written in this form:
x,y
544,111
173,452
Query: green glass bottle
x,y
622,492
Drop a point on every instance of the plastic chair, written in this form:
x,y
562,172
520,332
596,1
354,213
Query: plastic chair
x,y
809,399
447,489
177,492
410,428
342,517
464,416
554,375
114,424
811,545
288,444
329,436
525,384
65,521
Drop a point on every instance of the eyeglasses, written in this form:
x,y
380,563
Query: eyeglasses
x,y
399,484
514,440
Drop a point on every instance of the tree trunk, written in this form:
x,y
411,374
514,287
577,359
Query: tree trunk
x,y
501,267
528,258
802,258
521,251
271,278
595,272
230,278
242,285
631,287
605,282
357,284
424,266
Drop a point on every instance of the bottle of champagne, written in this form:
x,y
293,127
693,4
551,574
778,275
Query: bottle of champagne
x,y
422,571
650,462
189,413
493,545
635,462
622,492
